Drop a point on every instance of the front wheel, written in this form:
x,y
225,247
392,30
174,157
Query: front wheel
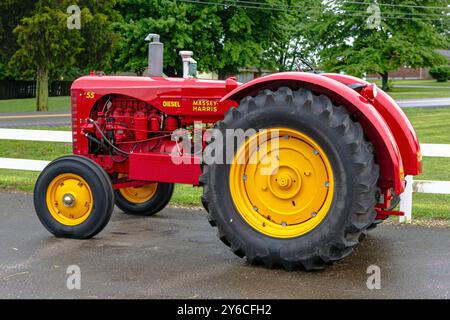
x,y
146,200
73,198
299,189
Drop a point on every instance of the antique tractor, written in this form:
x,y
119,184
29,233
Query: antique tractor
x,y
322,158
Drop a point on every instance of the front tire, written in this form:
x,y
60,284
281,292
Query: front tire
x,y
277,232
144,201
73,198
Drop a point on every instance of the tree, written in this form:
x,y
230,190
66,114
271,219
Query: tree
x,y
223,38
295,37
180,27
249,34
11,12
99,40
406,36
49,48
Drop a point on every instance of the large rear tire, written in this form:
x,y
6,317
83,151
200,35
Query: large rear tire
x,y
313,210
73,198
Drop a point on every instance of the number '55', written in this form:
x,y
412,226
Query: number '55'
x,y
90,95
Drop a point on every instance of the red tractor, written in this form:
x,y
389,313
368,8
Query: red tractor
x,y
325,159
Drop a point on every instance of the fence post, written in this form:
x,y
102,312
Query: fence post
x,y
406,201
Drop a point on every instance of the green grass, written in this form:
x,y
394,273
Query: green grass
x,y
433,83
16,180
433,205
418,93
60,128
55,104
33,150
431,126
435,169
186,195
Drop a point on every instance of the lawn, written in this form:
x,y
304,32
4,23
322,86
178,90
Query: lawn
x,y
418,93
56,104
432,126
432,83
427,83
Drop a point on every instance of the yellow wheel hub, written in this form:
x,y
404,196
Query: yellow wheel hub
x,y
69,199
281,182
139,194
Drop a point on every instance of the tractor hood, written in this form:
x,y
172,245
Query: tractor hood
x,y
150,88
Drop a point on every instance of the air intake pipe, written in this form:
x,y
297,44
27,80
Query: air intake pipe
x,y
155,55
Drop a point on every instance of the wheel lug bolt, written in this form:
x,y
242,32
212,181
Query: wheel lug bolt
x,y
327,184
313,214
283,223
316,152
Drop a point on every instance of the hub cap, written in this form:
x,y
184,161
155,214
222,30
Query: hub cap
x,y
283,187
69,199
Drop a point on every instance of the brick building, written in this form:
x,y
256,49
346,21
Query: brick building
x,y
410,73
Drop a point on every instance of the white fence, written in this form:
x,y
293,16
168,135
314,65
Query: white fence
x,y
419,186
31,135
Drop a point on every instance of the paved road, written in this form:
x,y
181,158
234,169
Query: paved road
x,y
50,119
177,255
424,103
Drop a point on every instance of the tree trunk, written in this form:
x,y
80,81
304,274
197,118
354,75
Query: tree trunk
x,y
42,90
385,81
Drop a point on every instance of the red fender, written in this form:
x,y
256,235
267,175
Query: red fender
x,y
387,152
400,126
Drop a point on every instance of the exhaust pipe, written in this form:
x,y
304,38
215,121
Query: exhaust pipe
x,y
155,55
189,64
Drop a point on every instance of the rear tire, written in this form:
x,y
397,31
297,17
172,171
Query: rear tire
x,y
73,198
355,177
159,199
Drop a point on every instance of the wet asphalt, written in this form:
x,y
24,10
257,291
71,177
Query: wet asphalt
x,y
176,255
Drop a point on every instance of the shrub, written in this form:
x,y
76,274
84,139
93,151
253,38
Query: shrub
x,y
440,73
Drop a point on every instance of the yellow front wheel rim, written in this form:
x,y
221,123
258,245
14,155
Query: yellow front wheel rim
x,y
139,194
69,199
281,182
